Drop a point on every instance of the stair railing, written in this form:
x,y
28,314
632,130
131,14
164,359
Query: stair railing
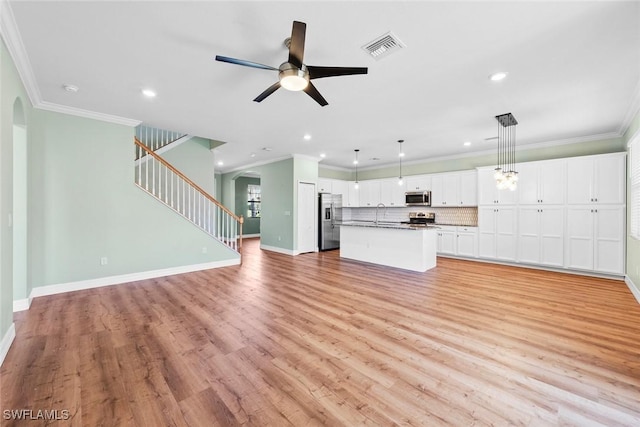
x,y
155,138
170,186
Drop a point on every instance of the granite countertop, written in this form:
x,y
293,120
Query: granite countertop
x,y
387,224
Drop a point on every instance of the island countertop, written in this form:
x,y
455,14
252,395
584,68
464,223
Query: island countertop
x,y
387,224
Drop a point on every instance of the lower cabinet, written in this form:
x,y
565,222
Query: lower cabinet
x,y
460,241
541,235
497,232
595,238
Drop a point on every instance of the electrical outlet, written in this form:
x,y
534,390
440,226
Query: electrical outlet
x,y
204,249
104,260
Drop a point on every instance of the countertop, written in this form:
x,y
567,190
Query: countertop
x,y
385,224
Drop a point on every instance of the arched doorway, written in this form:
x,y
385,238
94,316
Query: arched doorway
x,y
19,211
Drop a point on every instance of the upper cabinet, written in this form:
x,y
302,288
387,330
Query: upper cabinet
x,y
369,193
391,193
325,185
418,183
340,187
454,189
596,179
488,193
542,182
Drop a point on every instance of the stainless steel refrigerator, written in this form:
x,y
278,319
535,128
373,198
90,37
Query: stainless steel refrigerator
x,y
330,218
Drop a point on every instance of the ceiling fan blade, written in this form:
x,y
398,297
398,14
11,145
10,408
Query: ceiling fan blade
x,y
313,92
296,48
320,72
267,92
243,62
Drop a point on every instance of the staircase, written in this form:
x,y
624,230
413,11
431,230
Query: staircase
x,y
163,181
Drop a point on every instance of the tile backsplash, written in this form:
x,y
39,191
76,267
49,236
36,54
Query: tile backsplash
x,y
446,216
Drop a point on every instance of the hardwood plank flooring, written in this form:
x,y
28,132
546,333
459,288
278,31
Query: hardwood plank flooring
x,y
316,340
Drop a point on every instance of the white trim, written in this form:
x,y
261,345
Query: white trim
x,y
6,342
249,236
253,165
635,289
278,250
634,108
15,46
125,278
335,168
306,157
58,108
22,304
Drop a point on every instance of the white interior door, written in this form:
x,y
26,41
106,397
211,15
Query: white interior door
x,y
306,217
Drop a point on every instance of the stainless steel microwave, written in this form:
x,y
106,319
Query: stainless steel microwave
x,y
417,198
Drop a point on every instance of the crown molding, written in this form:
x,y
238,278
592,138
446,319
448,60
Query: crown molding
x,y
13,41
15,46
58,108
335,168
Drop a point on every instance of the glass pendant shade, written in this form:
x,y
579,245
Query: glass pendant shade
x,y
355,162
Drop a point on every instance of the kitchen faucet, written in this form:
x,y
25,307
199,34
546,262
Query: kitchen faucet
x,y
385,211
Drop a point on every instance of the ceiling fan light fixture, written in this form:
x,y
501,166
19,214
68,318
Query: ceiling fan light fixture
x,y
293,78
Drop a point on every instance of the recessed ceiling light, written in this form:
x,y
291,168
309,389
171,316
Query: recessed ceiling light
x,y
323,155
267,149
148,93
467,143
70,88
307,137
496,77
253,154
220,163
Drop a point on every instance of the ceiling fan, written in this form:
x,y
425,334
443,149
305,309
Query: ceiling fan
x,y
293,74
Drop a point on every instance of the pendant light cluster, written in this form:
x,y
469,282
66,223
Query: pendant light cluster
x,y
400,156
355,162
505,173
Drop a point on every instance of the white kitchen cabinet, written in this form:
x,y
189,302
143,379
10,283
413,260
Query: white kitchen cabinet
x,y
541,235
418,183
467,241
369,193
446,240
457,240
596,179
497,232
325,185
454,189
352,199
391,193
488,193
468,188
595,238
340,187
542,182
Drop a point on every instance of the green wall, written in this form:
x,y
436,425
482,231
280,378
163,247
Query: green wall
x,y
86,206
278,184
471,162
633,245
194,158
11,88
251,225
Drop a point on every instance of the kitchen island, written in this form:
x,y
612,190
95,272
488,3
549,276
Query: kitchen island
x,y
391,244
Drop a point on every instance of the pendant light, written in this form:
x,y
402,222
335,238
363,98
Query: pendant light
x,y
505,173
355,162
400,156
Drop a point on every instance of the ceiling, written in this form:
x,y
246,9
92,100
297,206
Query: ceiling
x,y
573,72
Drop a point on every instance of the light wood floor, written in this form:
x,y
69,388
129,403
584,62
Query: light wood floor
x,y
315,340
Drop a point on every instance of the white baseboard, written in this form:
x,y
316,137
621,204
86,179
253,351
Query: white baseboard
x,y
6,342
279,250
249,236
125,278
635,290
22,304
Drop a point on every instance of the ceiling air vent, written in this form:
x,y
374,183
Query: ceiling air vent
x,y
383,46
